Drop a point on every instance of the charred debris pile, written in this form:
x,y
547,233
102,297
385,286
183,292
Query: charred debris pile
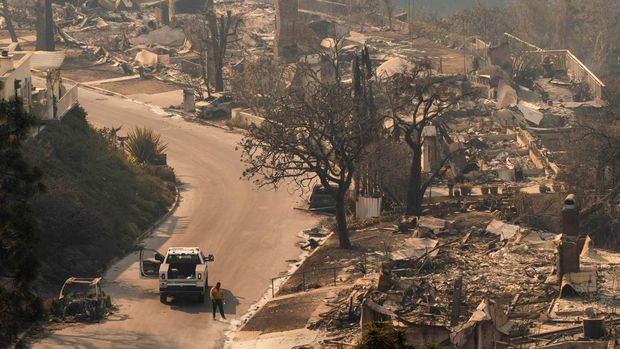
x,y
487,285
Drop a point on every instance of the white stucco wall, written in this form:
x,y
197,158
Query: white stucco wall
x,y
20,71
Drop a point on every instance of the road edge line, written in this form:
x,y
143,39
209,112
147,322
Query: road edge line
x,y
152,228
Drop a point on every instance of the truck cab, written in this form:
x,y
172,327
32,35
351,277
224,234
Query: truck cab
x,y
181,272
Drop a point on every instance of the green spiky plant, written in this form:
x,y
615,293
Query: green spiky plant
x,y
145,147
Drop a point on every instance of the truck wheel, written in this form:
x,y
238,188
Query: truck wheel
x,y
163,299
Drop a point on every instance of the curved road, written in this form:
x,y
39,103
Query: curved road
x,y
251,232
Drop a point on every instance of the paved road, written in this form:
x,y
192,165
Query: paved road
x,y
251,233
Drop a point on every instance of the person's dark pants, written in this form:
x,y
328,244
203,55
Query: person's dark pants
x,y
218,303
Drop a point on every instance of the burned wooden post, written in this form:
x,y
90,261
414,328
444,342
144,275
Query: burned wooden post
x,y
456,301
171,11
350,317
385,278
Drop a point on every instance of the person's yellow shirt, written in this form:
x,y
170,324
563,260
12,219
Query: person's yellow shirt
x,y
217,294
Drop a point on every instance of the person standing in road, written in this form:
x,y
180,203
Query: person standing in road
x,y
217,299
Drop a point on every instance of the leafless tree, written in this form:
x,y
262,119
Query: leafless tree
x,y
389,10
362,11
317,131
588,28
195,84
260,82
6,13
211,36
418,98
591,172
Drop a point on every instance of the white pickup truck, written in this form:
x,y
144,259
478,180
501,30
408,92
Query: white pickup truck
x,y
181,272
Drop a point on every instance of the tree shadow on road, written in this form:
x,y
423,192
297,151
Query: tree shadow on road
x,y
91,340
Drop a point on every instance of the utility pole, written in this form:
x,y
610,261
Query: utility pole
x,y
9,22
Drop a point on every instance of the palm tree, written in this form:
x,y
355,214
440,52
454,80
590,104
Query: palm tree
x,y
145,147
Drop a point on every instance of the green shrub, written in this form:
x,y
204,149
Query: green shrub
x,y
146,147
382,336
97,202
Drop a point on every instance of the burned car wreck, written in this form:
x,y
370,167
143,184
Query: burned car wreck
x,y
82,299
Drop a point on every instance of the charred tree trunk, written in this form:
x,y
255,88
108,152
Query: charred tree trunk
x,y
9,22
218,78
414,194
219,30
389,11
214,68
211,45
45,26
341,220
214,49
224,27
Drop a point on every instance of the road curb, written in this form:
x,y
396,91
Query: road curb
x,y
192,118
162,219
148,231
266,299
112,93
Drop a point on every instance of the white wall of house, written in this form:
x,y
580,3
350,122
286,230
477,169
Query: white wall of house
x,y
16,67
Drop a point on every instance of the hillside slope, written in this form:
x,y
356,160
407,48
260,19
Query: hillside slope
x,y
96,202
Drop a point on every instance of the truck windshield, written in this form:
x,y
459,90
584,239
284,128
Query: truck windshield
x,y
183,259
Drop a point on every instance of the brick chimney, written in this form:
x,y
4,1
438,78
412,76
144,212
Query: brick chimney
x,y
570,216
287,27
569,246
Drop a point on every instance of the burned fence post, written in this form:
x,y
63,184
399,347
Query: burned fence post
x,y
456,301
171,11
569,246
385,278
